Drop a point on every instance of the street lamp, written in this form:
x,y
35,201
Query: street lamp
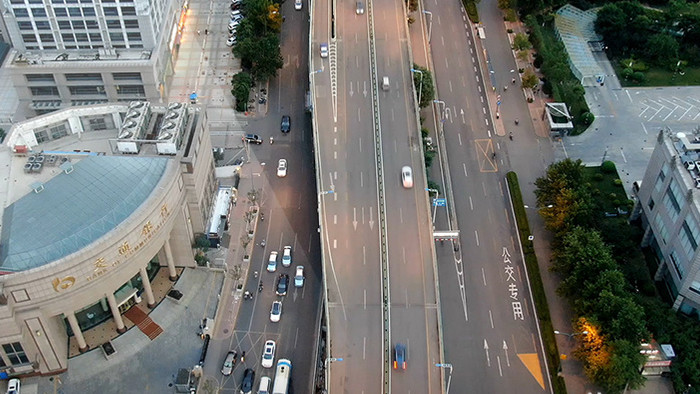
x,y
420,87
571,335
437,195
449,377
328,361
430,25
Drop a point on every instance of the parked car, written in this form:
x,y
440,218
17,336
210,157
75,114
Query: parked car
x,y
299,276
252,138
282,168
287,256
282,285
268,356
297,5
231,41
247,382
359,8
272,262
276,311
324,50
13,386
229,363
286,124
407,177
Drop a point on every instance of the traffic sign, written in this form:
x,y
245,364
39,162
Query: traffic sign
x,y
439,202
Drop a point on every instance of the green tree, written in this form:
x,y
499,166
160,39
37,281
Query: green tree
x,y
521,42
581,256
427,90
662,49
622,370
274,17
621,316
261,55
241,83
530,80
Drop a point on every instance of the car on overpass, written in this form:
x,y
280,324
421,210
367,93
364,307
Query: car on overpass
x,y
324,50
400,356
407,177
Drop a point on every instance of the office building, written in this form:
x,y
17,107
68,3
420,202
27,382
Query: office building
x,y
97,201
668,203
84,52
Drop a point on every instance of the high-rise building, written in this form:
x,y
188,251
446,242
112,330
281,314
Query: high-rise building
x,y
82,52
668,203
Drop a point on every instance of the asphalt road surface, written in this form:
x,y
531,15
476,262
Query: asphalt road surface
x,y
348,166
289,206
490,331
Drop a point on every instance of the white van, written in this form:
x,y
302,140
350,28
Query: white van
x,y
264,387
385,83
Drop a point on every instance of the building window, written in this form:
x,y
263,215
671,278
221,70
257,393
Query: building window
x,y
131,90
133,36
58,131
42,25
671,203
15,353
116,37
44,90
64,24
97,124
46,38
91,24
39,12
131,24
81,37
41,136
78,24
695,287
28,38
60,12
85,90
111,11
127,77
88,11
688,236
128,11
67,37
21,12
39,78
651,204
95,37
74,11
660,179
84,77
25,25
114,24
680,270
661,228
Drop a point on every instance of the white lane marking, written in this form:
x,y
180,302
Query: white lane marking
x,y
364,348
476,236
491,318
335,244
296,337
401,215
645,129
403,250
483,277
464,167
451,89
471,203
442,39
364,302
360,144
362,179
335,141
364,255
335,155
447,65
335,219
500,370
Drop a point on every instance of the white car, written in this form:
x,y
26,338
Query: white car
x,y
232,25
287,256
299,276
324,50
297,5
231,41
407,177
276,311
272,262
13,386
268,356
282,168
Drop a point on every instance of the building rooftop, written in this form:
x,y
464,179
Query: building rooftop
x,y
78,206
576,29
71,176
688,149
88,57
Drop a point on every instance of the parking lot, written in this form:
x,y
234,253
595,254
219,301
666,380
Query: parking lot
x,y
627,123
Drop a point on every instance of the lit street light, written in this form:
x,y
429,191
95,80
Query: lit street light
x,y
328,361
571,335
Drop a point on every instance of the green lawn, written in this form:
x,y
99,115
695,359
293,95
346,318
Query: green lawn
x,y
606,193
661,77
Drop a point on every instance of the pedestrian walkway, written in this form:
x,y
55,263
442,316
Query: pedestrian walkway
x,y
143,322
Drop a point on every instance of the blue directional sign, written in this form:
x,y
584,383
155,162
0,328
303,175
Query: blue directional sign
x,y
439,202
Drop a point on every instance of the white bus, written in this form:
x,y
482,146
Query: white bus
x,y
284,372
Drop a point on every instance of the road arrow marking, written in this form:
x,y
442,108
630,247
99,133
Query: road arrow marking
x,y
486,349
351,92
505,349
354,218
461,111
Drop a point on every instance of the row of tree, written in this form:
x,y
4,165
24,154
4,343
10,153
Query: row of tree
x,y
604,276
258,47
662,38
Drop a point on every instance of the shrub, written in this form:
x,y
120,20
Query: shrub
x,y
598,177
587,118
617,182
424,132
608,167
639,76
627,72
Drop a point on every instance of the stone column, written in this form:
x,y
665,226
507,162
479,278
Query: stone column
x,y
147,288
82,346
115,313
170,261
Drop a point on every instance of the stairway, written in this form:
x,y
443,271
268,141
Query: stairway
x,y
143,322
